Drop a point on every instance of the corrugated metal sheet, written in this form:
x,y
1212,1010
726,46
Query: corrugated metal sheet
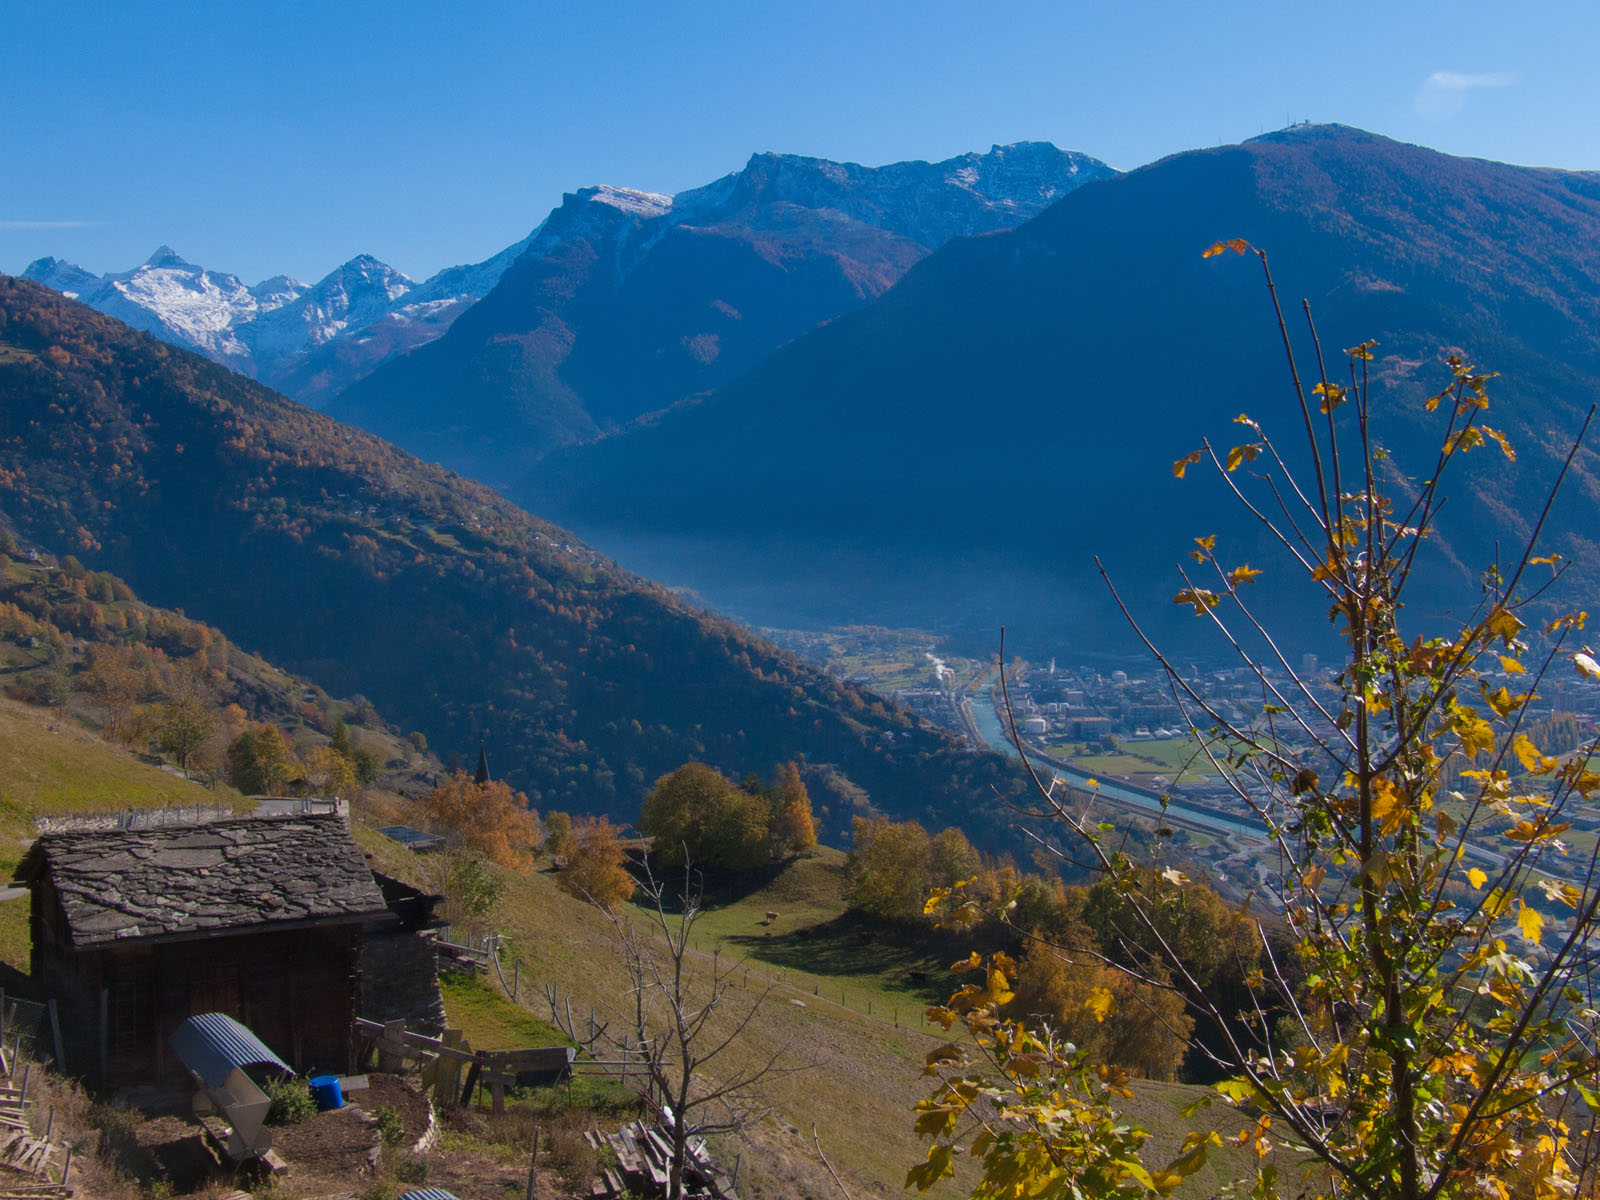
x,y
429,1194
213,1044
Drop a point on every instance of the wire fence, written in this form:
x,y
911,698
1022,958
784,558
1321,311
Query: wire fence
x,y
801,990
25,1025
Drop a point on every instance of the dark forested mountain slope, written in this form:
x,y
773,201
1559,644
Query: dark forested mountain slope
x,y
627,301
959,450
344,558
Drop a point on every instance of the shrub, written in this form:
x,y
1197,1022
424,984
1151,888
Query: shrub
x,y
390,1128
292,1101
572,1156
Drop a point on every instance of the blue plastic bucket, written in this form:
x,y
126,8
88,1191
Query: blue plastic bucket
x,y
325,1090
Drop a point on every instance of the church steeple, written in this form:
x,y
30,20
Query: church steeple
x,y
482,775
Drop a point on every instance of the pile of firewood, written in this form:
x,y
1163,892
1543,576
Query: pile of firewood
x,y
644,1163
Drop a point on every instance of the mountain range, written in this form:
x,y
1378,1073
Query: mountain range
x,y
626,302
307,340
629,300
343,558
954,454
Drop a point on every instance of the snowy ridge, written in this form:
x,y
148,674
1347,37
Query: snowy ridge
x,y
928,203
275,330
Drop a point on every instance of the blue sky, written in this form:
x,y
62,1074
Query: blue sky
x,y
286,137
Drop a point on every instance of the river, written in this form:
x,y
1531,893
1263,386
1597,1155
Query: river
x,y
993,732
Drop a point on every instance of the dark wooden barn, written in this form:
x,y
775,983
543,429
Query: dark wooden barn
x,y
264,919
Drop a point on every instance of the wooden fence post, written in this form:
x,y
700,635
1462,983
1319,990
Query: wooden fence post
x,y
55,1032
390,1060
533,1161
105,1030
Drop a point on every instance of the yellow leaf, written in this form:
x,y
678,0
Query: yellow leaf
x,y
1246,453
1363,351
1237,245
1511,666
1586,665
1244,574
1502,442
1187,461
1388,805
1202,600
1576,619
1477,878
1503,625
1091,783
1531,923
1530,758
1100,1003
1504,702
1173,875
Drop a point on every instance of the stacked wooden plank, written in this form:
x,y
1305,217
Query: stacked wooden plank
x,y
644,1165
23,1150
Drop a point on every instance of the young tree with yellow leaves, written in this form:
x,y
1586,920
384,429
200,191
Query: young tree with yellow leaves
x,y
487,817
1432,1033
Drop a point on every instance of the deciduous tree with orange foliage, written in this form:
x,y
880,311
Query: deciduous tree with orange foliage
x,y
487,817
595,869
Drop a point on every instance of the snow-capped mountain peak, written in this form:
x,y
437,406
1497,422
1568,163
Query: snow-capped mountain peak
x,y
166,256
630,200
281,330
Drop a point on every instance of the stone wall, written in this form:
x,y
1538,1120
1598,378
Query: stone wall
x,y
400,980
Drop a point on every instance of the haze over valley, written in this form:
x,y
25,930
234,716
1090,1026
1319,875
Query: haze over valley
x,y
700,604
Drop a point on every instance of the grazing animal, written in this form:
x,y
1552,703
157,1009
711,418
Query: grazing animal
x,y
771,917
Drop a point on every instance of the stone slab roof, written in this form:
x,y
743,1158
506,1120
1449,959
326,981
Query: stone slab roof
x,y
227,876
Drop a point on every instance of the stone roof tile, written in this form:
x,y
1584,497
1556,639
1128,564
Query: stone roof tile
x,y
244,874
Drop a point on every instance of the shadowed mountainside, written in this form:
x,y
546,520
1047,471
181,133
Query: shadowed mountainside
x,y
352,563
629,301
956,453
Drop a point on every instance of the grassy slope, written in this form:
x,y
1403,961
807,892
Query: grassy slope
x,y
864,1072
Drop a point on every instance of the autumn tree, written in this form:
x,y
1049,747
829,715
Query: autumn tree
x,y
487,817
596,867
1137,1025
790,827
558,834
889,867
1438,1036
116,683
698,814
187,718
332,774
260,762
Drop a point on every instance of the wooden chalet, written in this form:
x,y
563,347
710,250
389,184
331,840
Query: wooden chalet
x,y
268,920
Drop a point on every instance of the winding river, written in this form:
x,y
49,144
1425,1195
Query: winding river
x,y
987,720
